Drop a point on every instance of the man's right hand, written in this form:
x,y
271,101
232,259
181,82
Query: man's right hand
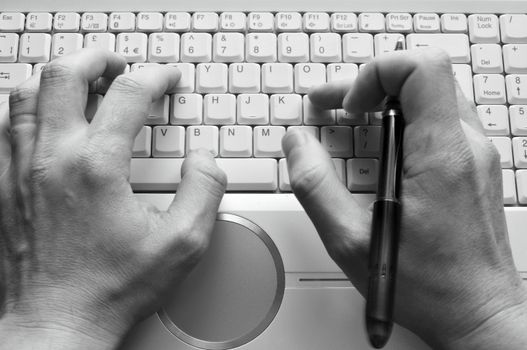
x,y
457,286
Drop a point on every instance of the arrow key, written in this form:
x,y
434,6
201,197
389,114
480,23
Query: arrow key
x,y
13,74
495,119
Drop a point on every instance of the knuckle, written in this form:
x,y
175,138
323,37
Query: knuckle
x,y
210,175
21,99
191,243
56,72
126,83
306,182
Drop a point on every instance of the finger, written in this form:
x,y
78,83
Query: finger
x,y
422,79
5,145
199,194
467,111
330,95
127,103
342,223
64,87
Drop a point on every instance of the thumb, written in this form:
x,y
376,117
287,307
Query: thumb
x,y
342,223
192,213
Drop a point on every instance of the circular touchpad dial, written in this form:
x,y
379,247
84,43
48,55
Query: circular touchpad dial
x,y
233,293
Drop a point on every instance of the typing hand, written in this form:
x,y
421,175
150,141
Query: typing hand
x,y
457,287
83,259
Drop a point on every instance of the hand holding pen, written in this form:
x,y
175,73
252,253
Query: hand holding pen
x,y
456,281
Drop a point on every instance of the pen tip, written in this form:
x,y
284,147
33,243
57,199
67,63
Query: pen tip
x,y
378,332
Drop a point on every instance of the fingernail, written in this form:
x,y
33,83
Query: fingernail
x,y
293,138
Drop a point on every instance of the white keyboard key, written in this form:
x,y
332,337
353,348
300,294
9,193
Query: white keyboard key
x,y
367,141
342,71
163,47
228,47
519,148
513,29
261,21
362,174
196,47
177,21
169,141
158,114
456,45
203,137
219,109
8,47
236,141
515,58
261,47
486,58
288,22
357,47
132,46
277,78
516,88
187,109
122,22
484,28
187,81
463,75
143,143
316,22
399,22
489,89
35,47
233,21
242,174
509,187
310,129
371,22
454,23
286,109
66,22
253,109
337,140
284,183
326,47
344,22
308,75
521,181
518,117
495,119
38,67
293,47
316,116
149,21
346,118
94,22
205,22
268,141
386,42
426,23
39,22
211,77
244,77
104,41
12,22
503,145
66,43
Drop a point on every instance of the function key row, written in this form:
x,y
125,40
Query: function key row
x,y
482,27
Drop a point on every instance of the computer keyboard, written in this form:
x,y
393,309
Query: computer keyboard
x,y
246,70
245,77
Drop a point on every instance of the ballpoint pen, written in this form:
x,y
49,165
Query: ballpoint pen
x,y
385,226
